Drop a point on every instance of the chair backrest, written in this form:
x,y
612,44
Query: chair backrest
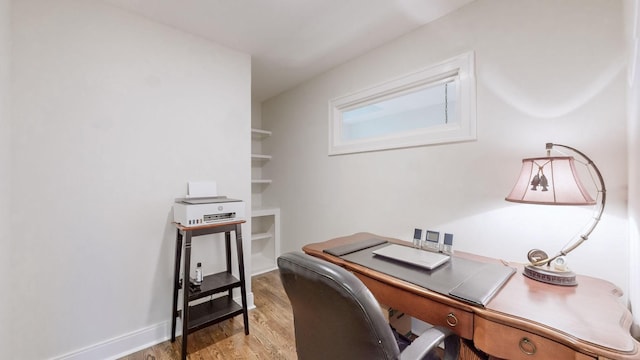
x,y
335,315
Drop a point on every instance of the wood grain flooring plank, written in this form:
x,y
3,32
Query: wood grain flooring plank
x,y
271,334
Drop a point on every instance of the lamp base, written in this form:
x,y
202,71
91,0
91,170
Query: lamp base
x,y
546,275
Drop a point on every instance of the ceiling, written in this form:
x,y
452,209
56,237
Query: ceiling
x,y
291,41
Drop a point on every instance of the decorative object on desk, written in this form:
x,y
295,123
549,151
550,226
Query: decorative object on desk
x,y
432,241
447,247
553,180
417,238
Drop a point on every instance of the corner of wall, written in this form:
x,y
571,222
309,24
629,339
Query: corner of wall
x,y
5,179
632,17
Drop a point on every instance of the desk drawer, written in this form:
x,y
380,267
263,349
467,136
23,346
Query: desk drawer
x,y
419,307
511,343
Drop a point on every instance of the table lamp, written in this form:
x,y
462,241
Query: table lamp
x,y
553,180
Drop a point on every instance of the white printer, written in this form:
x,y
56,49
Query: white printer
x,y
198,211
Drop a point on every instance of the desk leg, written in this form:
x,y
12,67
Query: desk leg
x,y
227,248
176,285
243,285
185,293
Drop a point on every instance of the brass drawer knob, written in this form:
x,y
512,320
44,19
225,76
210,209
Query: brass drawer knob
x,y
527,346
452,320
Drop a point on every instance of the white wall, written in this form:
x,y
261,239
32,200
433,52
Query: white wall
x,y
5,191
546,71
112,115
632,17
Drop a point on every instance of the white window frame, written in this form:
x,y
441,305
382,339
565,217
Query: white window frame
x,y
461,128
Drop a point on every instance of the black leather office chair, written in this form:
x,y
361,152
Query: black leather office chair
x,y
337,317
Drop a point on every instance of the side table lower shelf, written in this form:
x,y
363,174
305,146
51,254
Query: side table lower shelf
x,y
212,312
215,310
212,284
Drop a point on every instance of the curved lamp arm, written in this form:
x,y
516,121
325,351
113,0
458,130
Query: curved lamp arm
x,y
596,219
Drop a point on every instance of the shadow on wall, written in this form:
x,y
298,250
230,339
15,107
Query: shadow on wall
x,y
511,93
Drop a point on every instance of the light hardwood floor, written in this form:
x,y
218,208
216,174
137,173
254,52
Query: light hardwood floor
x,y
270,336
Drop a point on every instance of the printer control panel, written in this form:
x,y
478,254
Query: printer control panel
x,y
203,211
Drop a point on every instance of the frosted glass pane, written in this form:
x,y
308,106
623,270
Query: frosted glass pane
x,y
416,110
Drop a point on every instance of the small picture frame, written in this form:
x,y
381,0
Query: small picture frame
x,y
432,240
447,246
417,237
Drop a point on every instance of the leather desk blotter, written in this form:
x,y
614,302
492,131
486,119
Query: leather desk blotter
x,y
350,248
471,281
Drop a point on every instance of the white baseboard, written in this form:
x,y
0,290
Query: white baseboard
x,y
134,341
122,345
250,304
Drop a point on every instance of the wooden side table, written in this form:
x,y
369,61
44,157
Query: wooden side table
x,y
195,317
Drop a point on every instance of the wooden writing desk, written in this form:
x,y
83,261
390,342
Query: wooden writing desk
x,y
525,320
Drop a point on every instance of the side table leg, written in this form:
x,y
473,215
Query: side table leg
x,y
243,285
185,293
176,284
227,249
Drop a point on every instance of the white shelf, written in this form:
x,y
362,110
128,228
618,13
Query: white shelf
x,y
261,236
260,132
260,157
265,222
265,242
265,211
257,158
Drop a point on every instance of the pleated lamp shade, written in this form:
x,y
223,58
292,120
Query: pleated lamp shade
x,y
550,181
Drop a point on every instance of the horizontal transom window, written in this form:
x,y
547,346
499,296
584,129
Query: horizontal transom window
x,y
431,106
